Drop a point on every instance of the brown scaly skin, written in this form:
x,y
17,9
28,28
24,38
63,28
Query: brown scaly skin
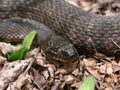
x,y
54,47
85,30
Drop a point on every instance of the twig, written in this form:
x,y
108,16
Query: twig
x,y
115,43
32,61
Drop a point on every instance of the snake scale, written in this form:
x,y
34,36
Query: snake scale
x,y
86,31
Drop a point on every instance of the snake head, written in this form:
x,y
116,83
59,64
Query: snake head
x,y
55,47
67,53
64,53
59,49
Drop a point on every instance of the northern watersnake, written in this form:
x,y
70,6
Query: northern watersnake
x,y
88,32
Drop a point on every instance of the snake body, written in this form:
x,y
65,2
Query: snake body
x,y
54,47
87,31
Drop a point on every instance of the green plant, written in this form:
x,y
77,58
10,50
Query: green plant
x,y
27,42
88,84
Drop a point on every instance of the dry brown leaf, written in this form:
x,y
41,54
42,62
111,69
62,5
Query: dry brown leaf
x,y
109,69
8,48
69,79
10,71
17,85
2,60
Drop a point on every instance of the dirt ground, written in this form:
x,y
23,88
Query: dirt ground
x,y
43,75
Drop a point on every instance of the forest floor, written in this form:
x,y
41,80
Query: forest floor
x,y
43,75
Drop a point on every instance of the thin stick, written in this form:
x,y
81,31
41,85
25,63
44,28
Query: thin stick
x,y
115,43
32,61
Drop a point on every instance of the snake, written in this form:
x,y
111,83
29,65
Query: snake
x,y
85,32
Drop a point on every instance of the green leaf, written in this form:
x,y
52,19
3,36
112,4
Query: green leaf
x,y
20,54
88,84
28,39
17,17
